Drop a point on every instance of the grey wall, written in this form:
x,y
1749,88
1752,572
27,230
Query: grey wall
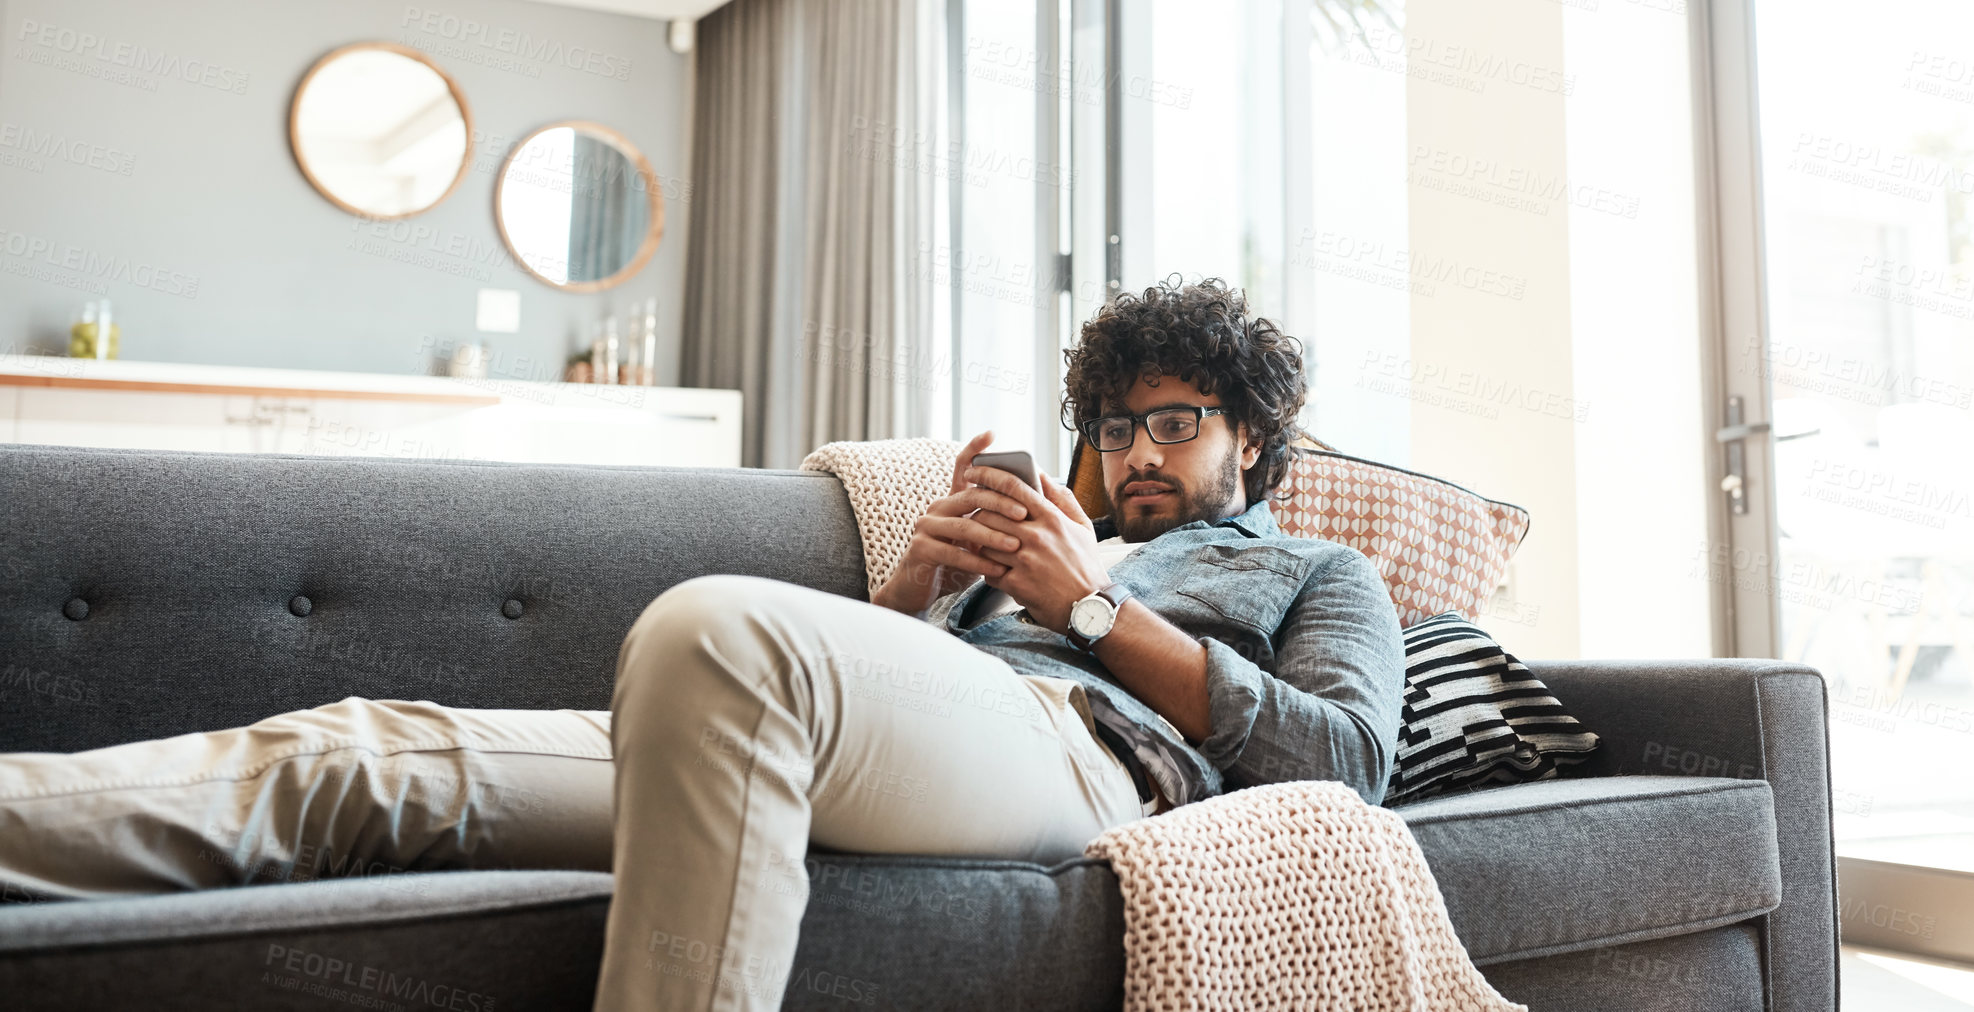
x,y
195,221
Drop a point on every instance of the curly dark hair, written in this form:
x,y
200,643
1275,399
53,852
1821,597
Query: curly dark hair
x,y
1203,335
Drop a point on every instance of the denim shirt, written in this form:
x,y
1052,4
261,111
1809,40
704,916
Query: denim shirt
x,y
1305,668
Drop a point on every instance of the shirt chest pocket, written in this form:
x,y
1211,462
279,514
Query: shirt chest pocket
x,y
1249,585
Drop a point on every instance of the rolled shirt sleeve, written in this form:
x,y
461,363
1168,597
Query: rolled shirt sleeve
x,y
1330,710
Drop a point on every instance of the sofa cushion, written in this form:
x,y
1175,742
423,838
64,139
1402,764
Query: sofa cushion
x,y
938,933
1527,871
1474,714
1568,865
477,941
1718,970
1439,547
296,906
904,933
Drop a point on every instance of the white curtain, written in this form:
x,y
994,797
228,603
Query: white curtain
x,y
813,146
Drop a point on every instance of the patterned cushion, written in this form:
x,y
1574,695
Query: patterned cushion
x,y
1439,547
1474,714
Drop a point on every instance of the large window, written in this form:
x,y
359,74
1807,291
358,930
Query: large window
x,y
1478,220
1868,174
1212,153
1263,147
1349,294
1006,173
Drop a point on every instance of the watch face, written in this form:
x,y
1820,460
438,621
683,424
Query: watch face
x,y
1090,617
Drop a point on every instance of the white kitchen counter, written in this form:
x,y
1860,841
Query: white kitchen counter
x,y
243,409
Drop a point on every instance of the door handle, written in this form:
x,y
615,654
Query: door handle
x,y
1734,482
1740,431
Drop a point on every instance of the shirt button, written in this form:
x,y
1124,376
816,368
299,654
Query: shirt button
x,y
300,606
512,609
77,609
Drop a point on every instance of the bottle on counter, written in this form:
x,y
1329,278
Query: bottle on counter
x,y
633,357
469,361
608,371
106,332
648,371
95,333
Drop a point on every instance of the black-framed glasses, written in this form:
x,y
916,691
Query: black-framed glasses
x,y
1166,425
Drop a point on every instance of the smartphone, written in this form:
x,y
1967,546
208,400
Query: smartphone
x,y
1015,462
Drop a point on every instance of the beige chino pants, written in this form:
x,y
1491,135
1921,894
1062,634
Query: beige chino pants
x,y
750,717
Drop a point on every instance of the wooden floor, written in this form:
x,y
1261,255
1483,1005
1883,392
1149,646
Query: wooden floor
x,y
1905,985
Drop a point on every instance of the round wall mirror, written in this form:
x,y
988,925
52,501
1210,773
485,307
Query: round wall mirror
x,y
579,206
380,130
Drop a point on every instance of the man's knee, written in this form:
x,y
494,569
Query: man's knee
x,y
693,606
716,619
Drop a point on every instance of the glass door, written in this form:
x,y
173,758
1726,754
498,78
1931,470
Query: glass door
x,y
1868,171
1856,199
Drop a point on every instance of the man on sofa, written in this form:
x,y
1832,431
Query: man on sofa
x,y
1025,680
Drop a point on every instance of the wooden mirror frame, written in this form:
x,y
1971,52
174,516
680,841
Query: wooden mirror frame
x,y
295,138
653,231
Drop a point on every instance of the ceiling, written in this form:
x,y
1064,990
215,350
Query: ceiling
x,y
662,10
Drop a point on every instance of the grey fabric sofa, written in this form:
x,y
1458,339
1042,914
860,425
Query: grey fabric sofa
x,y
147,594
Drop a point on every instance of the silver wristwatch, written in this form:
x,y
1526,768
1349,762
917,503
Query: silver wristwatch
x,y
1091,618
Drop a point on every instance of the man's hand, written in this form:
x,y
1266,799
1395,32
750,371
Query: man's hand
x,y
944,552
1056,562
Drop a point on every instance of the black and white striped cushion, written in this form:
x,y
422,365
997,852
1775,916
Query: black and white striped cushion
x,y
1474,714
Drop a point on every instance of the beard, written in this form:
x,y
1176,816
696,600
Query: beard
x,y
1207,502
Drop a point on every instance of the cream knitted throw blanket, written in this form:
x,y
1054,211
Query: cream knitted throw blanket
x,y
1287,896
890,483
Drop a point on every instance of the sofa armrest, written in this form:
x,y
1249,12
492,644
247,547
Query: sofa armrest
x,y
1741,718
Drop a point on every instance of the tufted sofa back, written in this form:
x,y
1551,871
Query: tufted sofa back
x,y
146,594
